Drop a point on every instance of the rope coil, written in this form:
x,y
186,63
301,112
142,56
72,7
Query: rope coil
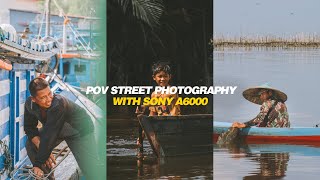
x,y
25,173
7,162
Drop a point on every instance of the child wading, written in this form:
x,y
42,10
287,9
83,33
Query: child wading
x,y
161,74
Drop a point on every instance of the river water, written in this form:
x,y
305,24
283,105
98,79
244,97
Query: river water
x,y
122,161
295,72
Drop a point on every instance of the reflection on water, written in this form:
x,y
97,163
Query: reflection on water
x,y
177,167
265,161
270,165
123,162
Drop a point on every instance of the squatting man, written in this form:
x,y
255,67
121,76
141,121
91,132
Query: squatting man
x,y
61,120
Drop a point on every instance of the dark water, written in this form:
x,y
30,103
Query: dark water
x,y
294,71
122,161
267,162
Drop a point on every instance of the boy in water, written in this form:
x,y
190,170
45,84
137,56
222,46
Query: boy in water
x,y
161,74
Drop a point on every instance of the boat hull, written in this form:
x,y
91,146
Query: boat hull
x,y
178,135
259,135
196,134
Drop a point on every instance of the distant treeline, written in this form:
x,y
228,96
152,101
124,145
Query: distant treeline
x,y
298,40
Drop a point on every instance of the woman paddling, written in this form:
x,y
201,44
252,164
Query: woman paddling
x,y
273,111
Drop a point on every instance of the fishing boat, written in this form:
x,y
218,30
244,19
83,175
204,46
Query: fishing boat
x,y
261,135
178,135
21,59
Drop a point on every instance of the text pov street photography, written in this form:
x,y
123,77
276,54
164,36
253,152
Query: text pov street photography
x,y
50,51
268,128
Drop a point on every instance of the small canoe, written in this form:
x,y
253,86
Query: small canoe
x,y
179,135
196,134
260,135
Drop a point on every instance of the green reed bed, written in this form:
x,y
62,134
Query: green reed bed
x,y
298,40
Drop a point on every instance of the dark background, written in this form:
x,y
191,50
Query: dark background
x,y
177,31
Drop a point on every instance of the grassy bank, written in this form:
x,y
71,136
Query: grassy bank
x,y
298,40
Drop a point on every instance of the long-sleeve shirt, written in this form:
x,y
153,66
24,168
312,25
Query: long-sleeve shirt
x,y
61,111
278,116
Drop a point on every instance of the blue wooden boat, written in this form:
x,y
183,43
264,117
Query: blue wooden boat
x,y
13,93
259,135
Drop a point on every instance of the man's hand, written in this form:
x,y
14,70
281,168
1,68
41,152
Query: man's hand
x,y
51,162
238,125
37,171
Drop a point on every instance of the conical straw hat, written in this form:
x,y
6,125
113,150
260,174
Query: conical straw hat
x,y
252,94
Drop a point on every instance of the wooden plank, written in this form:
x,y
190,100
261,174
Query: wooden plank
x,y
149,132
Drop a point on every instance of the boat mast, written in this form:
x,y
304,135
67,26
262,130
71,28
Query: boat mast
x,y
64,35
47,18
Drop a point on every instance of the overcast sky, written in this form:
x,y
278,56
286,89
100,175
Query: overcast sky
x,y
276,17
30,5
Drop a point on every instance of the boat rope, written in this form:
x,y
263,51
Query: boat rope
x,y
7,162
75,95
41,23
55,70
45,64
27,172
79,36
74,31
54,74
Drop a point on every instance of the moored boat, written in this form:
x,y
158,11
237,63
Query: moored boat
x,y
261,135
178,135
196,134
